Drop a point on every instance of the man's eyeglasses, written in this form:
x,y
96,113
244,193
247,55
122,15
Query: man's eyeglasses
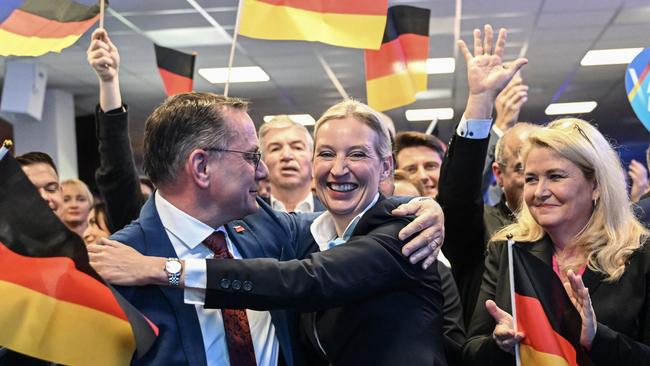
x,y
252,157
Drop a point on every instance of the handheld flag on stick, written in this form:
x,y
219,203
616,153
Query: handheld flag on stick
x,y
176,69
544,313
36,27
345,23
397,71
55,306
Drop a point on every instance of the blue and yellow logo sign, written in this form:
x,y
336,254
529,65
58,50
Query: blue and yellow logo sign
x,y
637,84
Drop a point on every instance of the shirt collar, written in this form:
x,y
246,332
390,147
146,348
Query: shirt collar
x,y
306,205
188,230
324,231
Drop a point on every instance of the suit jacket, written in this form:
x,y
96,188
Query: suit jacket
x,y
180,342
469,223
381,309
622,309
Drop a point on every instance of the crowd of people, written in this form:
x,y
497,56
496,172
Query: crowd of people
x,y
279,247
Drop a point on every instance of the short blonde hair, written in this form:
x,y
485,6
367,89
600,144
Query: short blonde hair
x,y
364,114
613,232
82,185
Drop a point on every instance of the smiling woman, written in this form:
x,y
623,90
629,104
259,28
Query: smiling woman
x,y
577,218
77,203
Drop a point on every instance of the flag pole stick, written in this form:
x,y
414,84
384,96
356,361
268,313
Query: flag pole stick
x,y
232,48
101,14
511,273
331,75
4,149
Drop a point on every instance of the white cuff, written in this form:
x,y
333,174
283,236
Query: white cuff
x,y
196,280
474,128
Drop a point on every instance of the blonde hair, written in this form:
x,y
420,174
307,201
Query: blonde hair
x,y
612,233
82,185
364,114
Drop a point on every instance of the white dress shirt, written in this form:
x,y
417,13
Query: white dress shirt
x,y
306,205
474,128
186,235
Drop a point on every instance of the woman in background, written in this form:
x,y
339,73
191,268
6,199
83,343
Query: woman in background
x,y
77,203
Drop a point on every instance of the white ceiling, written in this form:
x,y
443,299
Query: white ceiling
x,y
553,34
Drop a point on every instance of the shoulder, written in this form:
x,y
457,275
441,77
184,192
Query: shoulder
x,y
380,216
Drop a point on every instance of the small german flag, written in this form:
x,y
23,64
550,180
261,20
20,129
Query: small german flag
x,y
36,27
176,69
545,314
398,69
345,23
54,306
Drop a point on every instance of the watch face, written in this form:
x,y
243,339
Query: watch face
x,y
173,266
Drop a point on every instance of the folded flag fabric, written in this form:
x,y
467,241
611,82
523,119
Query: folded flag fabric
x,y
397,71
54,306
545,314
345,23
176,69
36,27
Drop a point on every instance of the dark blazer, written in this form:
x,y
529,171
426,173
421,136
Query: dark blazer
x,y
622,309
393,309
468,222
276,235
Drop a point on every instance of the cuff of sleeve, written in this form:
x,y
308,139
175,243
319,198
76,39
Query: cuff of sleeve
x,y
474,128
601,346
116,125
195,281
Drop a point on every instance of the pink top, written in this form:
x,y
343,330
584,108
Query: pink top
x,y
556,268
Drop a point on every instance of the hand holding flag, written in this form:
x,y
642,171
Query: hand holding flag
x,y
103,56
504,333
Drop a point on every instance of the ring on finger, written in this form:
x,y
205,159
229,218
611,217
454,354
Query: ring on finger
x,y
434,244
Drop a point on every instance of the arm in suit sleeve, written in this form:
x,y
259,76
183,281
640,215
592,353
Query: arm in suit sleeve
x,y
364,266
480,348
117,178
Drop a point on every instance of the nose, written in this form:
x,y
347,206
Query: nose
x,y
287,153
340,167
262,171
541,190
422,174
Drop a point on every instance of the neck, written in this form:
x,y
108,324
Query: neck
x,y
77,226
290,197
341,223
188,201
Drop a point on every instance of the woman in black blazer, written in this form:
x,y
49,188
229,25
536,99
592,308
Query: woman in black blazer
x,y
577,218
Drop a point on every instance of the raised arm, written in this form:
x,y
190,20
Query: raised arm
x,y
117,177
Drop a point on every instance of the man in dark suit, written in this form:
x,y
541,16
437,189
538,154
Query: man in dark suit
x,y
287,148
190,141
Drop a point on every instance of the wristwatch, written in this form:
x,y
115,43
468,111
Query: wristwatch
x,y
174,269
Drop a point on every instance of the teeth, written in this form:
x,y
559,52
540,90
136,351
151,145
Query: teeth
x,y
345,187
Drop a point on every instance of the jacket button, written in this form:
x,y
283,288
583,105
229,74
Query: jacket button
x,y
236,285
225,283
248,286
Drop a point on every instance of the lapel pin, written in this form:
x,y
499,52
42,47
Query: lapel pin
x,y
239,228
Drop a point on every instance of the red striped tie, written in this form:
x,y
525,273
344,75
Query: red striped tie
x,y
235,321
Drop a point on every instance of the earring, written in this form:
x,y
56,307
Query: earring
x,y
595,202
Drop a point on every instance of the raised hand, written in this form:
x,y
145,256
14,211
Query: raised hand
x,y
504,332
580,298
509,103
102,55
639,176
487,74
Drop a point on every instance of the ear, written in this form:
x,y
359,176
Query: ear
x,y
197,166
386,168
496,170
595,194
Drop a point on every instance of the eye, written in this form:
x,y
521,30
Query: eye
x,y
410,169
556,177
325,154
530,179
431,166
358,155
519,168
52,187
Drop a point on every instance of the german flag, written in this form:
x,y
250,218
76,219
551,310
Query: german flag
x,y
176,69
36,27
54,306
398,70
545,314
345,23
